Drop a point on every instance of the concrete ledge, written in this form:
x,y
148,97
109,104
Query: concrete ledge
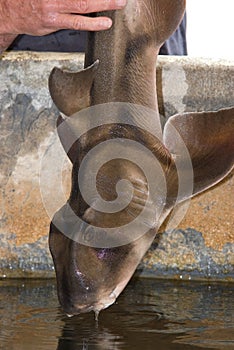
x,y
201,247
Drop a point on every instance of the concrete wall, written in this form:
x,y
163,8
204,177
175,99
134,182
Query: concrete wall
x,y
202,246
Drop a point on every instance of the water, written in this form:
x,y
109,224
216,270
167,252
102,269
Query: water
x,y
150,314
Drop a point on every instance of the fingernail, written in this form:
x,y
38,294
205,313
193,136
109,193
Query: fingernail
x,y
106,23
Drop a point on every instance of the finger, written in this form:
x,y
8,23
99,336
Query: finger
x,y
90,6
76,22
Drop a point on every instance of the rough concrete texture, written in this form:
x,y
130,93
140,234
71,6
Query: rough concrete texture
x,y
202,246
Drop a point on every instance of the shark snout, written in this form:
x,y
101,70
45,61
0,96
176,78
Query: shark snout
x,y
76,298
88,278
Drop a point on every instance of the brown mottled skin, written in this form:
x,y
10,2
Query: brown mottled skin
x,y
92,278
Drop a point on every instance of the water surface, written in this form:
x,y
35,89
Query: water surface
x,y
150,314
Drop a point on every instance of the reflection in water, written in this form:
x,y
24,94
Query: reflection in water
x,y
149,314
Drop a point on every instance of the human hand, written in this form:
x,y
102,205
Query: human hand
x,y
41,17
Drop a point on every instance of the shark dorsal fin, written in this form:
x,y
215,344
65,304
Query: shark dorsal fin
x,y
70,91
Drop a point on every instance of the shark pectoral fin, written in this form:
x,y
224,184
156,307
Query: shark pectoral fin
x,y
209,139
70,91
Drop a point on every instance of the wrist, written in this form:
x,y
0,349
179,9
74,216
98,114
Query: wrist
x,y
5,41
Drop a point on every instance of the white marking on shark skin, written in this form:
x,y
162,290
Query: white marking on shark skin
x,y
132,13
135,10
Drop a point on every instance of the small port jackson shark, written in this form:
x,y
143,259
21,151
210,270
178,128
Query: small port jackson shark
x,y
96,247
